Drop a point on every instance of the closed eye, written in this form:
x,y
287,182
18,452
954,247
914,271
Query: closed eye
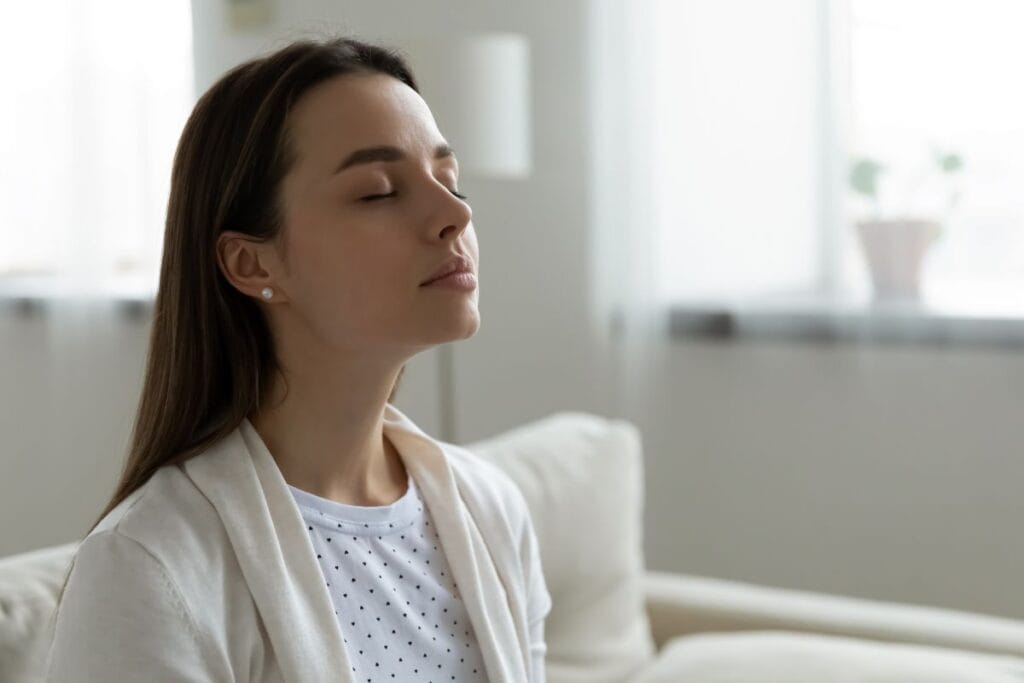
x,y
394,193
374,197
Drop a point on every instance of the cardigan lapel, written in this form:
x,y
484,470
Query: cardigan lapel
x,y
503,545
471,562
242,481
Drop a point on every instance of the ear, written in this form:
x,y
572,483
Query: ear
x,y
249,264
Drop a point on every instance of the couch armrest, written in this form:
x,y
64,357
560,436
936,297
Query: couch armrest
x,y
679,604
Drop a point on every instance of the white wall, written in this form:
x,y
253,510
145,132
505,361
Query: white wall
x,y
880,472
873,471
64,424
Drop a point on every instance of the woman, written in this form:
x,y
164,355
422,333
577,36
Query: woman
x,y
278,519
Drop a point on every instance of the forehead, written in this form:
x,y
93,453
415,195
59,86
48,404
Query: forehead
x,y
349,112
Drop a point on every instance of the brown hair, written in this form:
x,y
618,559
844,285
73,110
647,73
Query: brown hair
x,y
211,354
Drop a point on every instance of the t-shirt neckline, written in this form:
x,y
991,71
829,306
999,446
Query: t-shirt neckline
x,y
330,513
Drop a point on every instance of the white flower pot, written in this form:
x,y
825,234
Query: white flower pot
x,y
895,251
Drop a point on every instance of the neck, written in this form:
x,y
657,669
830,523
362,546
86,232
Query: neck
x,y
324,429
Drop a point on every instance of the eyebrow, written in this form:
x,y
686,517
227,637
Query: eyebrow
x,y
387,153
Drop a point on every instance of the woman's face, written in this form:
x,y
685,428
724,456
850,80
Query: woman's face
x,y
354,261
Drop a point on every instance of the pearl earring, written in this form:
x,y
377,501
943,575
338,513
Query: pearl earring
x,y
267,293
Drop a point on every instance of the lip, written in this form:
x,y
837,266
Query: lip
x,y
453,266
460,280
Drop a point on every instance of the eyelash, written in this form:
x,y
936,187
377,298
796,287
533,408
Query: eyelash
x,y
375,197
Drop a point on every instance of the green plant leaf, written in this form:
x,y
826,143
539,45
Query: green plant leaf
x,y
864,176
950,163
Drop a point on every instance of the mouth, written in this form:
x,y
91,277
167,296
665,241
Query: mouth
x,y
461,279
458,267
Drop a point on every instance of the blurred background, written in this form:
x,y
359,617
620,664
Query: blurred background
x,y
786,240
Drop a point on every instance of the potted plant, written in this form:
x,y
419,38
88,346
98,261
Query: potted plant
x,y
895,244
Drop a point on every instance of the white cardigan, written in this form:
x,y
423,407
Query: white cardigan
x,y
206,573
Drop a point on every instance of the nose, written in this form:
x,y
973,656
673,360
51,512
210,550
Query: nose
x,y
453,215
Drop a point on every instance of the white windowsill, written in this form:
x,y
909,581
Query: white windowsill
x,y
28,295
795,318
827,321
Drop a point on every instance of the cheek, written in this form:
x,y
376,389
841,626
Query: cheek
x,y
313,260
357,273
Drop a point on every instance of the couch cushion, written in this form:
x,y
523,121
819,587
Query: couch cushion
x,y
29,584
582,477
785,657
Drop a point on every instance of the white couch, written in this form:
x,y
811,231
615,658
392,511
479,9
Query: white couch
x,y
612,620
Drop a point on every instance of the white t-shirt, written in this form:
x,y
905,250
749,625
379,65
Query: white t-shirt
x,y
399,609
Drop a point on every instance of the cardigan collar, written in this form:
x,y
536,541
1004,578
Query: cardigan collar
x,y
243,482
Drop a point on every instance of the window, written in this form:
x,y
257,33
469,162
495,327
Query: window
x,y
940,77
96,95
762,109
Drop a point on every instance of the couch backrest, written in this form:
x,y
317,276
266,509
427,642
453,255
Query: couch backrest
x,y
582,477
29,583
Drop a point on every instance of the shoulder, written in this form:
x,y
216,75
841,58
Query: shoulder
x,y
127,566
168,502
165,547
502,495
489,480
123,608
471,465
171,523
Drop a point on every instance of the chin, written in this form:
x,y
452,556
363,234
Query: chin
x,y
464,329
470,327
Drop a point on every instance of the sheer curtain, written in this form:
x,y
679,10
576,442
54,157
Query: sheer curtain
x,y
96,93
630,310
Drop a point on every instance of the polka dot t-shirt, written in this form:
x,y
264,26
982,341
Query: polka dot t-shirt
x,y
399,609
